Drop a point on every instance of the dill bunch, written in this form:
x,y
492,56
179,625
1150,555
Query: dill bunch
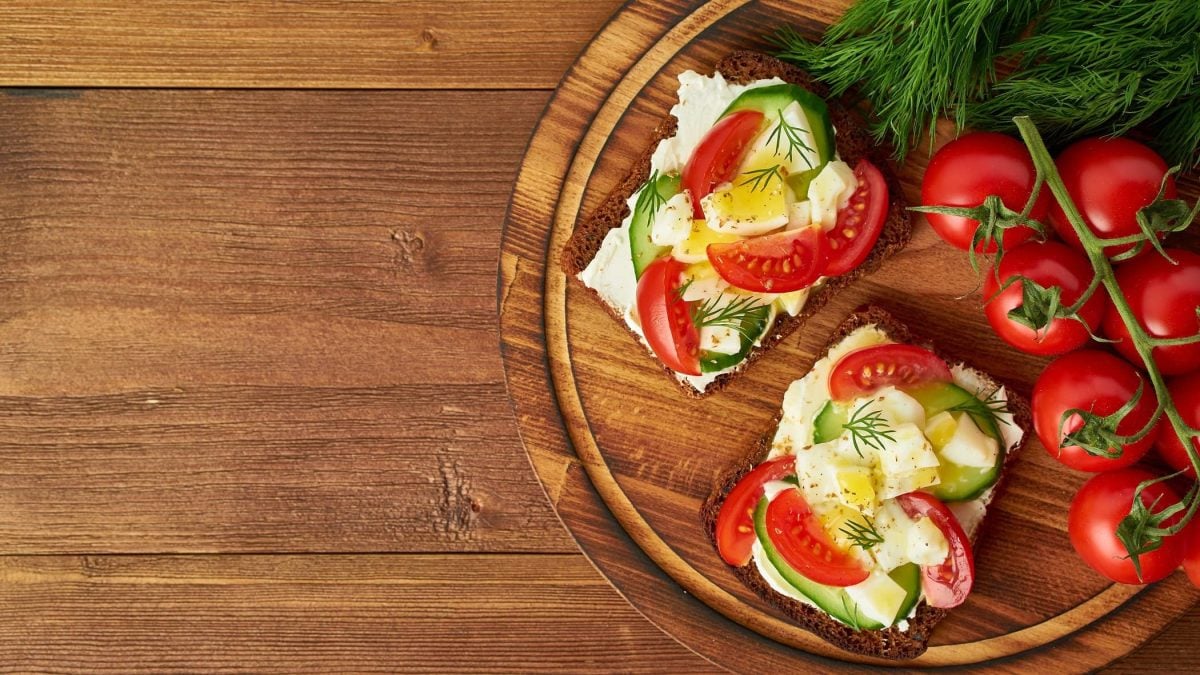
x,y
1105,67
914,60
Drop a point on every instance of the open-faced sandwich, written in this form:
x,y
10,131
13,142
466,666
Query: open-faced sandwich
x,y
858,515
758,200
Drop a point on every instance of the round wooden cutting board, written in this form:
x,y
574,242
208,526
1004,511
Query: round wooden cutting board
x,y
627,459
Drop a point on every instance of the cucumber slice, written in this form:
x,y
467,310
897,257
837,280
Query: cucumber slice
x,y
755,324
961,483
798,182
828,423
772,99
641,248
835,601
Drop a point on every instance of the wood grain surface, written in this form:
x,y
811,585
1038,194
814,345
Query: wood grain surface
x,y
252,410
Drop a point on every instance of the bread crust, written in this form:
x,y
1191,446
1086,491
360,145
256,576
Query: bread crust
x,y
890,642
854,142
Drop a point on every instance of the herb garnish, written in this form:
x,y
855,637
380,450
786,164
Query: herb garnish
x,y
869,429
990,407
862,534
760,179
649,201
786,132
741,314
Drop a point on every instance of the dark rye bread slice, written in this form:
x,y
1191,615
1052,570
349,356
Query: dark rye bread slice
x,y
854,142
891,642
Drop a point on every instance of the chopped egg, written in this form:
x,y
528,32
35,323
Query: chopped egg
x,y
754,203
906,462
720,339
793,148
792,302
878,598
940,429
830,191
971,447
799,215
694,248
893,524
926,543
673,222
704,283
858,490
896,407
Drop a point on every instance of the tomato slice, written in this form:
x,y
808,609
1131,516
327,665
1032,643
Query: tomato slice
x,y
775,263
859,224
719,153
735,522
802,541
948,584
666,318
864,371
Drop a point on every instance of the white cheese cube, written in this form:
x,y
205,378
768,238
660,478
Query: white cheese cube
x,y
926,543
897,407
830,191
704,288
673,222
906,463
818,467
878,598
720,339
893,524
969,446
799,215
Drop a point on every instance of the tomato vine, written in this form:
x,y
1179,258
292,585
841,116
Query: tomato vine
x,y
1143,529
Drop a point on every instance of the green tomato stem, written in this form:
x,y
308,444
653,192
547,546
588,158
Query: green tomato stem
x,y
1094,247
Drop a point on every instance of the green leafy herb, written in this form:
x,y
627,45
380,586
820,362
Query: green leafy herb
x,y
741,313
914,60
852,615
1082,67
868,428
989,407
760,179
1106,66
649,201
862,534
795,143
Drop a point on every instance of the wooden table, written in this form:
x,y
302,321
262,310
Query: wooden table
x,y
253,408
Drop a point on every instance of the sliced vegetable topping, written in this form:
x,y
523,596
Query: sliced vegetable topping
x,y
666,319
735,522
945,585
718,155
803,543
864,371
775,263
657,190
860,223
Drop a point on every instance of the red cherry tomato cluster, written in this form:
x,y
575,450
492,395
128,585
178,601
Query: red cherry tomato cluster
x,y
1109,181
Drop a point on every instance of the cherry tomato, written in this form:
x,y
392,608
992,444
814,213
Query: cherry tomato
x,y
666,319
1099,383
1191,554
1109,180
1164,298
866,370
967,170
719,153
859,224
1185,392
801,539
774,263
1049,264
735,522
1099,507
948,584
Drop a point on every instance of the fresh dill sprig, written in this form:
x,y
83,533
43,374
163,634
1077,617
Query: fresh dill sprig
x,y
1105,67
741,314
914,60
649,201
869,429
989,407
795,143
862,534
760,179
852,616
